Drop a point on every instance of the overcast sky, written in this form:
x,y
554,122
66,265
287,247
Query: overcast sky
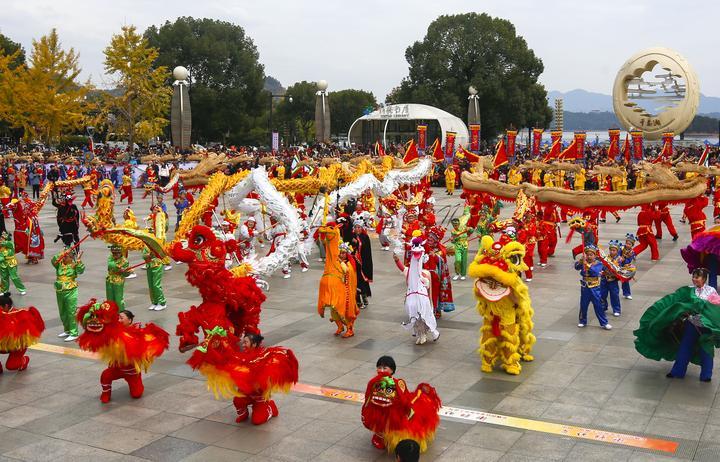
x,y
361,44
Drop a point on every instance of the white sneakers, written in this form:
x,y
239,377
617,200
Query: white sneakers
x,y
606,327
70,338
160,307
581,324
528,279
22,292
63,334
543,265
168,267
286,276
617,315
456,277
462,278
305,268
627,297
131,276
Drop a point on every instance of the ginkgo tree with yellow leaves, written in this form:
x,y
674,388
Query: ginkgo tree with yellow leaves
x,y
43,97
142,101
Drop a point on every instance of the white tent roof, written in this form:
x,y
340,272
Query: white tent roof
x,y
447,121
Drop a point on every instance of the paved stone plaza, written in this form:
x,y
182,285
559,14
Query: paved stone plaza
x,y
585,377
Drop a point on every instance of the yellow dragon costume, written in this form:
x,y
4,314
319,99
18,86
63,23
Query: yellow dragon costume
x,y
504,303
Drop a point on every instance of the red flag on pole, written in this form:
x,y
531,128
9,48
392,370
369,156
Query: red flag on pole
x,y
379,150
570,152
626,149
437,152
501,157
411,152
554,151
470,156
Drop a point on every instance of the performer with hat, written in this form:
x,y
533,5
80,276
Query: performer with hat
x,y
450,179
363,258
628,262
68,218
8,266
127,192
459,240
118,270
154,264
609,282
590,272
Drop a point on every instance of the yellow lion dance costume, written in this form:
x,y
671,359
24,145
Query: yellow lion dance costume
x,y
504,303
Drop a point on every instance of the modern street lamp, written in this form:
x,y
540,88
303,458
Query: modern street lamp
x,y
270,124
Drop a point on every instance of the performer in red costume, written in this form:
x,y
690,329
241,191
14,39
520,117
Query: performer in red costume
x,y
696,215
548,233
90,189
645,235
527,236
440,281
393,412
663,216
229,301
128,348
19,329
249,376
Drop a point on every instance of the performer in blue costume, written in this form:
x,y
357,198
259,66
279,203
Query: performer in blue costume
x,y
609,282
590,271
628,262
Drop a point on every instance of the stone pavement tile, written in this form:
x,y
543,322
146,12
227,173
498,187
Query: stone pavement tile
x,y
164,423
358,439
570,413
326,431
216,454
293,449
523,407
250,440
205,431
25,394
11,439
583,398
643,456
550,447
346,454
198,406
621,421
555,374
168,449
4,405
126,416
309,407
50,450
691,391
707,452
20,415
537,392
587,452
714,417
107,436
629,404
515,457
487,436
464,453
346,412
711,433
673,428
156,381
47,425
684,412
577,353
477,400
58,401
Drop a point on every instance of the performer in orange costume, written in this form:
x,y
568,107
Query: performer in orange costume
x,y
696,215
663,216
338,283
645,235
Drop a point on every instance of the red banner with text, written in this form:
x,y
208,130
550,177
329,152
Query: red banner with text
x,y
474,137
614,148
510,146
637,144
422,137
537,139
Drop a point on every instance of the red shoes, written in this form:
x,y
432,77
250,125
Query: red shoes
x,y
378,441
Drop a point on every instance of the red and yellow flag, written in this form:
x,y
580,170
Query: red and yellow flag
x,y
501,157
570,153
411,152
437,152
554,151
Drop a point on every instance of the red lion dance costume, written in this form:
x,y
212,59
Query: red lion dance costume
x,y
395,413
230,308
19,329
128,350
228,301
249,376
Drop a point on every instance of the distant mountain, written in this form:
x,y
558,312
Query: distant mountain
x,y
587,101
273,85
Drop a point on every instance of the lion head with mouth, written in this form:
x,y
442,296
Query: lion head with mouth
x,y
504,303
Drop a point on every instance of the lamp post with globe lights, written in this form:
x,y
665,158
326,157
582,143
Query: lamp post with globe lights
x,y
322,113
180,115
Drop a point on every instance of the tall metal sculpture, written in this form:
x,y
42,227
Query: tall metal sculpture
x,y
322,113
180,115
474,118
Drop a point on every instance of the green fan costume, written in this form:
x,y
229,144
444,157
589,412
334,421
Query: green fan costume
x,y
661,326
115,279
66,290
8,267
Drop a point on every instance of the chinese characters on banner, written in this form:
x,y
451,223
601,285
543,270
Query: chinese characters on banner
x,y
614,148
422,137
449,147
474,137
555,135
580,144
510,147
275,142
537,138
637,144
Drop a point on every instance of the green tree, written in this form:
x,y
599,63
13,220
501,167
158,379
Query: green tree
x,y
144,98
226,78
296,118
8,47
346,106
479,50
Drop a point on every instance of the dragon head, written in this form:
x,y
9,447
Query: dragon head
x,y
385,391
497,267
95,316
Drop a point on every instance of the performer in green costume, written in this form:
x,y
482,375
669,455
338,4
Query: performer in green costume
x,y
115,279
67,269
459,240
153,264
8,266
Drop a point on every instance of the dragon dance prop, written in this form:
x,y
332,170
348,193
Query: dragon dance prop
x,y
20,328
663,187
